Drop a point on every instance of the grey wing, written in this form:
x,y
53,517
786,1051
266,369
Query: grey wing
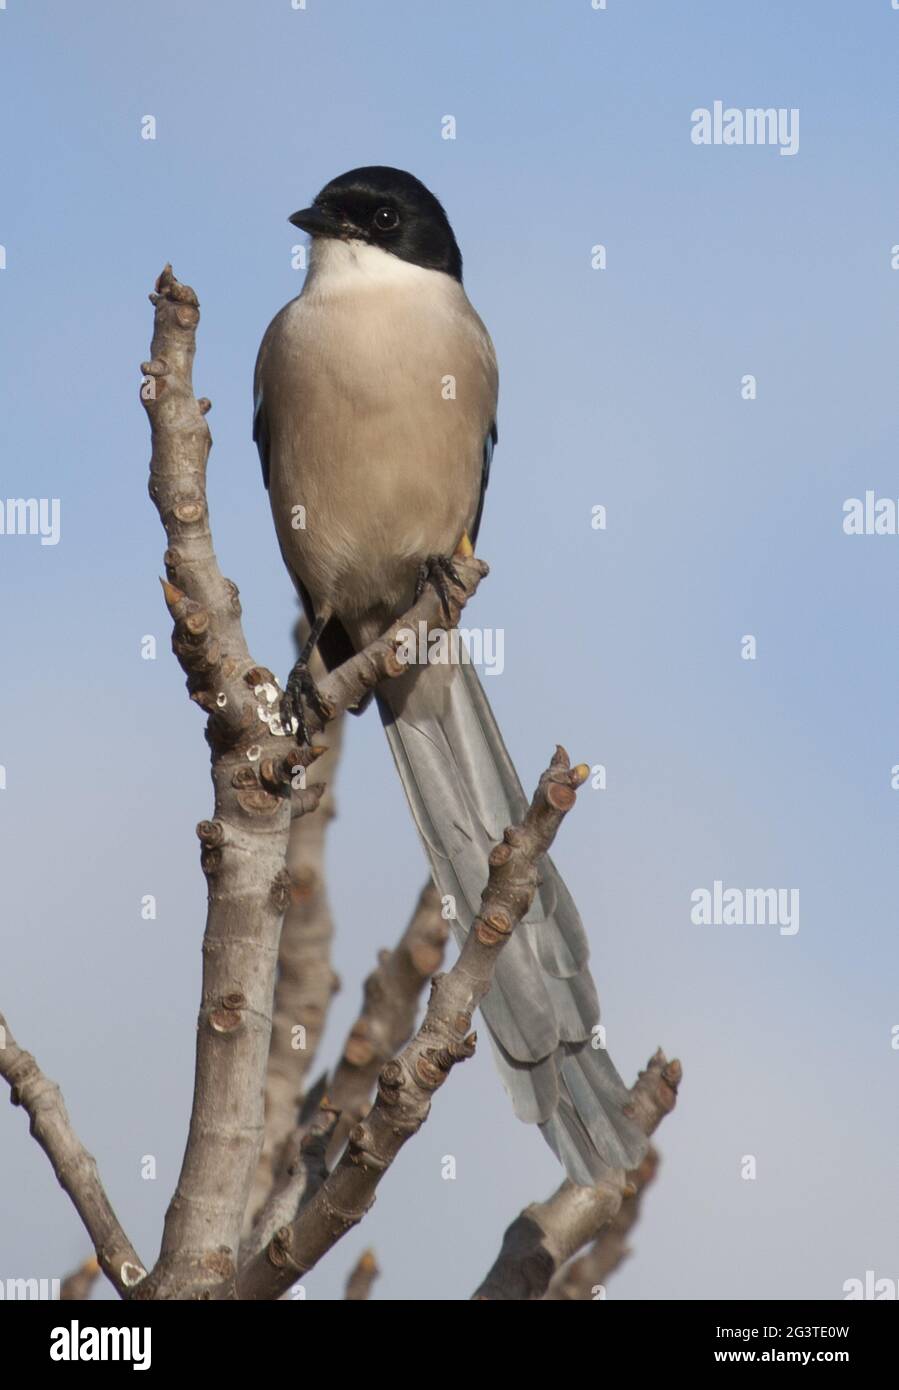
x,y
489,445
260,426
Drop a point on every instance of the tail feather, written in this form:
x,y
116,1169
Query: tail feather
x,y
599,1096
542,1007
586,1137
575,1005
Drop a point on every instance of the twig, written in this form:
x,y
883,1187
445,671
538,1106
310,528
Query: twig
x,y
75,1169
302,1169
390,1002
76,1287
363,1276
546,1234
586,1277
406,1085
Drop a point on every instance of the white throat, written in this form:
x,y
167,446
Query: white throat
x,y
337,267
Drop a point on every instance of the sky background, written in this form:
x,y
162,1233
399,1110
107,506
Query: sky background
x,y
619,387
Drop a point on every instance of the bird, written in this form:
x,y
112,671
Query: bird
x,y
375,473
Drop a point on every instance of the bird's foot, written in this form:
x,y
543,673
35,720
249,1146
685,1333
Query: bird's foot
x,y
440,572
300,692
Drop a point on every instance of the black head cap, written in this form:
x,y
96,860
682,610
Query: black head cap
x,y
387,208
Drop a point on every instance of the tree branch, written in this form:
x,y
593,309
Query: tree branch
x,y
306,981
546,1234
77,1286
390,1002
390,1006
405,1085
75,1169
244,844
363,1276
584,1277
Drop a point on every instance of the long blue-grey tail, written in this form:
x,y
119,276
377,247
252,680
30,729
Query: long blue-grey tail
x,y
542,1006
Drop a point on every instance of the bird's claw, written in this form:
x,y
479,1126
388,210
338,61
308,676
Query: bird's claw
x,y
300,692
440,572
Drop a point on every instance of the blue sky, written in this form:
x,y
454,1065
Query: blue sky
x,y
619,387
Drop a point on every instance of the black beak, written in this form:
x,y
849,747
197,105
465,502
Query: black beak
x,y
318,222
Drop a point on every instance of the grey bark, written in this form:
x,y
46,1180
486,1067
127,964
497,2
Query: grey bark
x,y
75,1169
306,982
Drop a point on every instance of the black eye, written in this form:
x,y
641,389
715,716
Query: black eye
x,y
386,219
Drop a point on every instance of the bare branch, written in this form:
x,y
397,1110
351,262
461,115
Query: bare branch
x,y
306,981
76,1287
390,1002
243,845
546,1234
363,1276
346,686
378,661
405,1086
75,1169
586,1277
390,1006
301,1171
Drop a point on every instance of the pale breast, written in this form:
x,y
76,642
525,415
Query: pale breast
x,y
379,395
